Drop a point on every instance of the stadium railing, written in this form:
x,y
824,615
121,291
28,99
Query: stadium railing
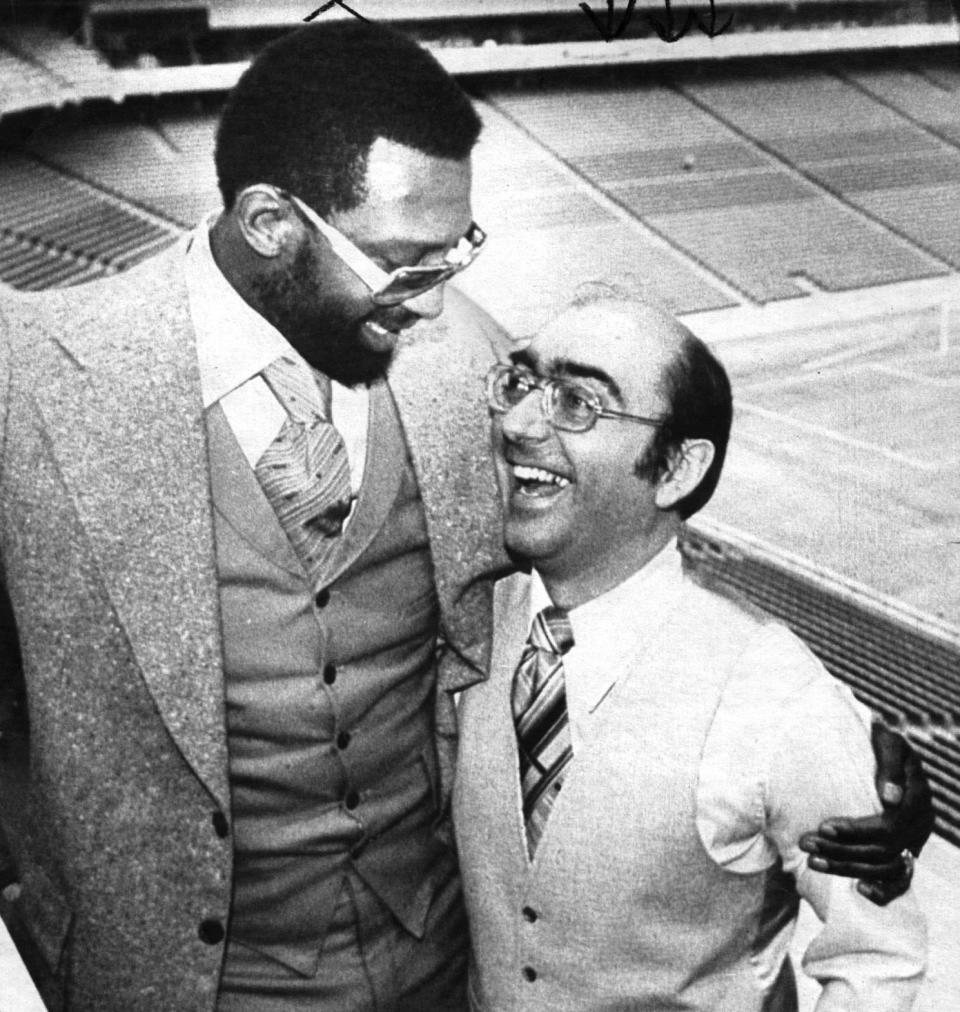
x,y
901,663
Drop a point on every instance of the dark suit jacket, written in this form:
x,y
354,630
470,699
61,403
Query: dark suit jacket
x,y
107,545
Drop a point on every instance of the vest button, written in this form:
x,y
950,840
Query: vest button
x,y
211,932
330,673
529,973
351,800
343,739
220,825
323,598
529,914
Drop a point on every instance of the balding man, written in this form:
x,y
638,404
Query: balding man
x,y
665,874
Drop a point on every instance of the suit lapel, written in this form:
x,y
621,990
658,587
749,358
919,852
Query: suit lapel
x,y
437,383
123,412
511,622
238,497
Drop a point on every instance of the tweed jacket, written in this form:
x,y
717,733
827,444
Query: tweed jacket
x,y
108,554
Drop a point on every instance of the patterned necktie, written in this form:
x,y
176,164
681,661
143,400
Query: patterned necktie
x,y
304,472
540,715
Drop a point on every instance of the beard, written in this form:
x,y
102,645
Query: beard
x,y
322,330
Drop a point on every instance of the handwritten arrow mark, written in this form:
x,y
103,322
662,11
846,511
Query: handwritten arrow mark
x,y
668,33
713,31
608,32
334,3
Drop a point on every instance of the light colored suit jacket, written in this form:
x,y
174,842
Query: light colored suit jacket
x,y
623,906
108,555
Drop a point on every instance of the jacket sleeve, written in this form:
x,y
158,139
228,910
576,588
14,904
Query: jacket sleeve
x,y
12,694
485,329
4,378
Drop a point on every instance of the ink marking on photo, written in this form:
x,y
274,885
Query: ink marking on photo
x,y
608,32
323,8
670,31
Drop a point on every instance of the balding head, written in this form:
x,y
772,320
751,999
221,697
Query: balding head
x,y
692,385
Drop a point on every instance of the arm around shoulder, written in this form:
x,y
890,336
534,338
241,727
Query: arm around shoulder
x,y
819,762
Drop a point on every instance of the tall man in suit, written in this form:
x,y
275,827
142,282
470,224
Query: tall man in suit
x,y
241,625
676,721
241,726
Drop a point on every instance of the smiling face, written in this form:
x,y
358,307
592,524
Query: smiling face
x,y
415,206
573,504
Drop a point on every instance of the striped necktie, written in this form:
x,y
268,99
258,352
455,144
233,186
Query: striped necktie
x,y
540,715
304,472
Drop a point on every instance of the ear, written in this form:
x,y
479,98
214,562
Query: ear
x,y
266,221
688,466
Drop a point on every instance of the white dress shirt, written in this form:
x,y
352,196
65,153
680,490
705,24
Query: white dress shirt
x,y
608,630
751,803
235,344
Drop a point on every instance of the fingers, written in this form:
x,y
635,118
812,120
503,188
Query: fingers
x,y
916,815
889,792
866,861
883,893
843,853
874,831
855,848
870,873
891,751
904,790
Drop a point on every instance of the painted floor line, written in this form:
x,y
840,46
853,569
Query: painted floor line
x,y
947,382
931,467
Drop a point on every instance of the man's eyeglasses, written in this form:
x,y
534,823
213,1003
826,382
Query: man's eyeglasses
x,y
566,404
390,289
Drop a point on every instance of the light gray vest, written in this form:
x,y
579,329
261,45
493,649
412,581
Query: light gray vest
x,y
622,907
330,701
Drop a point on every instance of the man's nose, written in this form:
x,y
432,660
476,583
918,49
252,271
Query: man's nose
x,y
428,305
525,421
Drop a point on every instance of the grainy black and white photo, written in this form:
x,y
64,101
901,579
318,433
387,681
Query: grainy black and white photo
x,y
479,505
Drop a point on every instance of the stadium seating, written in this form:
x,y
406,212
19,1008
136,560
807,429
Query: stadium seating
x,y
928,95
82,69
706,186
24,84
136,163
50,217
871,154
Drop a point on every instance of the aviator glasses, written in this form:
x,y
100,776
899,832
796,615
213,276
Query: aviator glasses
x,y
403,283
565,403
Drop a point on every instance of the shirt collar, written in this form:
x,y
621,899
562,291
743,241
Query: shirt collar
x,y
610,630
664,566
234,342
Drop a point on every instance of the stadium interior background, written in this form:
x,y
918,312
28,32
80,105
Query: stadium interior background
x,y
789,188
